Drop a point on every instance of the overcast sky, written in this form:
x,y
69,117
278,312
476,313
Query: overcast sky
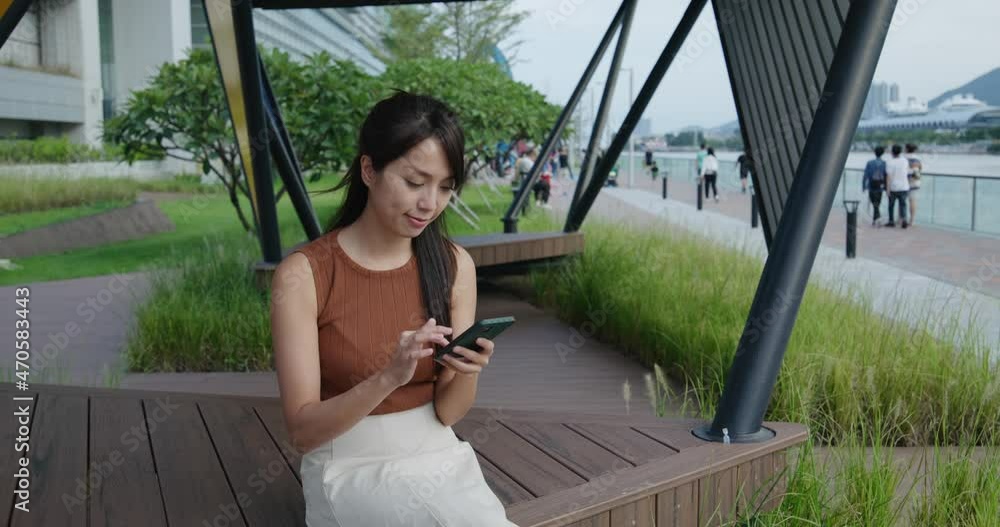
x,y
933,46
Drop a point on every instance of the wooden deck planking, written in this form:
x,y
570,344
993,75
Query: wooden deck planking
x,y
526,464
193,482
226,459
10,464
626,443
129,491
274,421
253,464
508,490
571,449
58,461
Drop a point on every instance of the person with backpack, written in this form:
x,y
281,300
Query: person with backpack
x,y
746,166
873,181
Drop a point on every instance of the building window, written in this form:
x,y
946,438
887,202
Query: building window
x,y
106,35
199,26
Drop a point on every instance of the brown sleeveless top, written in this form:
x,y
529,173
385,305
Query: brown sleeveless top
x,y
360,314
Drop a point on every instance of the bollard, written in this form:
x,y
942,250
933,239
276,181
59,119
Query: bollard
x,y
753,211
852,227
527,202
699,194
664,186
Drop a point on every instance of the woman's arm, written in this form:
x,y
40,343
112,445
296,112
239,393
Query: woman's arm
x,y
310,422
454,394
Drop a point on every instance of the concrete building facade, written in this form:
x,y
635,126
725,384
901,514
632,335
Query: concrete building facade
x,y
70,64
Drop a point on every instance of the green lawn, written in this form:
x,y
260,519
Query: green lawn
x,y
194,218
15,223
212,215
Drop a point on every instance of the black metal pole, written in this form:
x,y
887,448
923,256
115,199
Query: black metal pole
x,y
286,162
664,185
586,180
852,228
754,214
755,367
699,189
519,201
577,214
257,130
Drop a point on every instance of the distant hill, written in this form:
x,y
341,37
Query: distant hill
x,y
986,88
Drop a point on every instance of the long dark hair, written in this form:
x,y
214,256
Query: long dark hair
x,y
392,127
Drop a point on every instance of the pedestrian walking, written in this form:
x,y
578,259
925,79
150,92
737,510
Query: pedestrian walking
x,y
710,173
899,187
873,181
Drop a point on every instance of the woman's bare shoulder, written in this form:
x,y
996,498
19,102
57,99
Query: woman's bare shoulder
x,y
293,280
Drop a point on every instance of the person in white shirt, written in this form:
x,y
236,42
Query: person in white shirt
x,y
710,173
898,184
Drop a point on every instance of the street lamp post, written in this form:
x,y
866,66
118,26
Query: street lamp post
x,y
631,139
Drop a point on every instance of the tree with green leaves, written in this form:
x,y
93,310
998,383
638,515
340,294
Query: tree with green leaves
x,y
183,114
465,32
413,32
490,106
475,28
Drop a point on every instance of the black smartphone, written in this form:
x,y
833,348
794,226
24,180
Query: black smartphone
x,y
487,328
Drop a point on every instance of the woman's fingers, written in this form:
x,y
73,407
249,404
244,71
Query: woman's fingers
x,y
460,366
430,336
475,357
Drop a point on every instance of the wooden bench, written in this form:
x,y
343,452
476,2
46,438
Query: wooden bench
x,y
126,457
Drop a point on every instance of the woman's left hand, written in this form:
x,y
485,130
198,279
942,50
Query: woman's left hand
x,y
474,361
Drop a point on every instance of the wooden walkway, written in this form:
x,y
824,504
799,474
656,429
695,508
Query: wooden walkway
x,y
106,457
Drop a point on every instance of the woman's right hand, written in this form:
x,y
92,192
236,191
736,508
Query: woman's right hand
x,y
413,346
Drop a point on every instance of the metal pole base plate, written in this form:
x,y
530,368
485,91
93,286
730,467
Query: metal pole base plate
x,y
705,432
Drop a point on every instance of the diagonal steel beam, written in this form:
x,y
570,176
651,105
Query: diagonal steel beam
x,y
775,306
11,13
510,219
587,169
579,212
285,160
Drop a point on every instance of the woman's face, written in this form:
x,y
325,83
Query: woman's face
x,y
411,191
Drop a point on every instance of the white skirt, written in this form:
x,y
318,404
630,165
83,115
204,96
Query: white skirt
x,y
398,469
